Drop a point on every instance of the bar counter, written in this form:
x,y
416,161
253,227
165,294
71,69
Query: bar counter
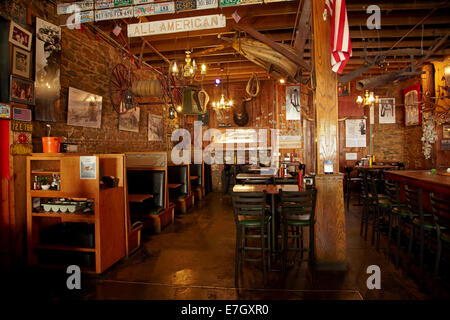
x,y
424,179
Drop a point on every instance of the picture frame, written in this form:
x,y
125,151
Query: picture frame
x,y
386,111
84,109
446,131
20,37
129,121
21,61
21,90
412,100
344,89
5,111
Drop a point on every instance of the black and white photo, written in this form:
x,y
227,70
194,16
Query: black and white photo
x,y
129,121
386,110
293,103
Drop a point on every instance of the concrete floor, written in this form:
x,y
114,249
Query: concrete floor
x,y
194,259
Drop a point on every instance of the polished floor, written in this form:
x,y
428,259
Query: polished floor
x,y
194,259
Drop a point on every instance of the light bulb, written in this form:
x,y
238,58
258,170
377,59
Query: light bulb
x,y
179,108
282,81
203,68
174,67
359,99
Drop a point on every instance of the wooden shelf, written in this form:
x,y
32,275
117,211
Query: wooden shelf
x,y
139,197
174,185
62,248
48,194
193,177
88,217
44,172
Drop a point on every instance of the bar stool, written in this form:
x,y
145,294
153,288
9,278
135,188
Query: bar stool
x,y
298,212
397,212
349,182
441,209
250,213
379,204
419,220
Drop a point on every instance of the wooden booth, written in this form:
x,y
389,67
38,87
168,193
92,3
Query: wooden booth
x,y
147,190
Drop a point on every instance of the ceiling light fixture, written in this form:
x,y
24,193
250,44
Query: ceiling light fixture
x,y
368,99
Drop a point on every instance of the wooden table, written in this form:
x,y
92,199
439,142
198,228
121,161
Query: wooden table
x,y
375,167
272,190
423,179
174,185
257,176
139,197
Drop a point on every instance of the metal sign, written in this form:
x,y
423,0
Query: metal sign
x,y
138,2
87,16
154,8
177,25
111,14
21,114
21,149
21,126
106,4
207,4
270,1
231,3
68,8
185,5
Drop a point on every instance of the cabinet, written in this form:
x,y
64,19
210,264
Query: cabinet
x,y
93,235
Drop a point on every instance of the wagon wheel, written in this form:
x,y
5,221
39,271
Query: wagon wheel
x,y
120,82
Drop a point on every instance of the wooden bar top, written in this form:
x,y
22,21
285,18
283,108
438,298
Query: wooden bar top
x,y
376,167
249,176
139,197
423,176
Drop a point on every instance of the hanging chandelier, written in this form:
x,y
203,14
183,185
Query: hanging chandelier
x,y
189,70
367,100
223,103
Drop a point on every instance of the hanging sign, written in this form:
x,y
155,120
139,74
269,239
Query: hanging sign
x,y
106,4
111,14
86,16
154,8
231,3
177,25
71,7
137,2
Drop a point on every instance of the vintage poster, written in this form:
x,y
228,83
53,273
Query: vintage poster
x,y
355,133
293,103
48,65
155,127
412,101
386,110
129,121
88,167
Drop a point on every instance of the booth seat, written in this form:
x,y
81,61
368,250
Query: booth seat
x,y
197,184
180,195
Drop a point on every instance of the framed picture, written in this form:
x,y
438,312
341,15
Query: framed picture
x,y
446,131
344,89
129,121
21,90
155,127
19,36
21,63
48,69
5,111
412,99
293,103
84,109
386,110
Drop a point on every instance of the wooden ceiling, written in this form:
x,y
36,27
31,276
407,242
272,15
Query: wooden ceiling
x,y
277,21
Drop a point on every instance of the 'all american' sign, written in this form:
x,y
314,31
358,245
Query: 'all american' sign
x,y
177,25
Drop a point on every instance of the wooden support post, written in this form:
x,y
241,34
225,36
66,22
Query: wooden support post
x,y
330,238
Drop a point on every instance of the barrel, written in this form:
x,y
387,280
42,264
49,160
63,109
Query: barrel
x,y
147,88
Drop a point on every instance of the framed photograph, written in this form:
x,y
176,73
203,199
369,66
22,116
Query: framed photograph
x,y
155,128
129,121
19,36
5,111
412,100
344,89
355,133
386,110
21,90
84,109
446,131
48,69
21,60
88,167
293,103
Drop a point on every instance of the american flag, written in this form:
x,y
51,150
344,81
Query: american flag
x,y
341,47
21,114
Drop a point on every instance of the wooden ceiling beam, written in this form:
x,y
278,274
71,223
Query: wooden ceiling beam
x,y
392,6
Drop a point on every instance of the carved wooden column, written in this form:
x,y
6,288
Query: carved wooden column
x,y
330,238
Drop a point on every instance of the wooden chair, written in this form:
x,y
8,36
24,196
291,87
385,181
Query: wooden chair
x,y
298,212
250,213
349,183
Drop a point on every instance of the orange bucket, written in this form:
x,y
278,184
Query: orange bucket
x,y
51,144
